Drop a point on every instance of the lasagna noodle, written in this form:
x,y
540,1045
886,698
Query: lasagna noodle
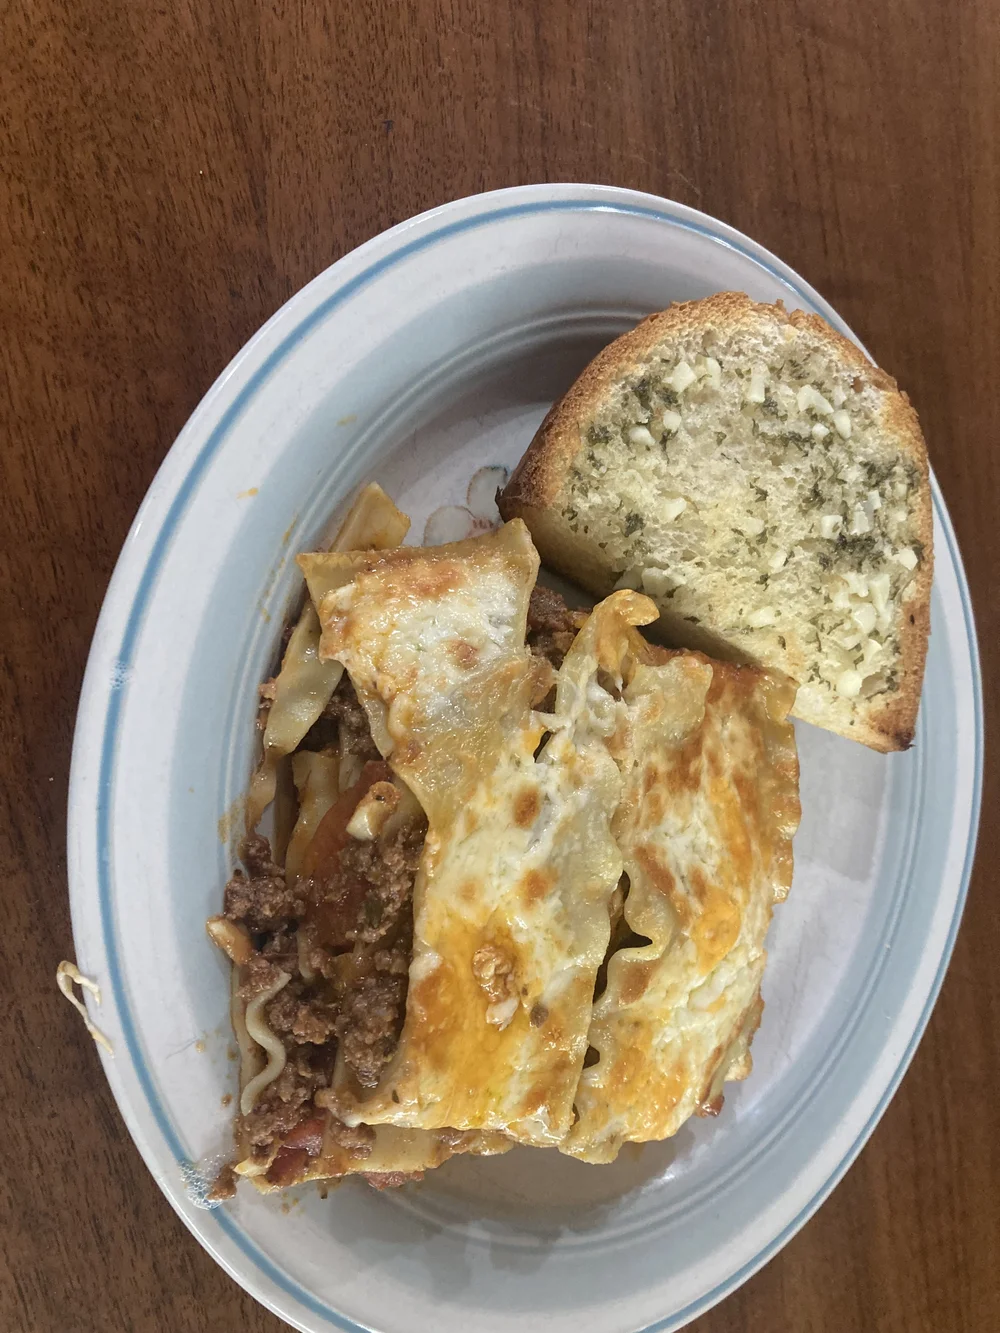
x,y
709,807
259,1032
394,1152
317,782
407,1151
305,683
511,898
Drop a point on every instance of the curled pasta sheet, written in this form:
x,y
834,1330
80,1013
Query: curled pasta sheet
x,y
708,810
317,782
303,686
233,939
511,898
301,691
251,1056
262,1036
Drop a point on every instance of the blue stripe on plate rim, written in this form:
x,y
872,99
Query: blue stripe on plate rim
x,y
134,623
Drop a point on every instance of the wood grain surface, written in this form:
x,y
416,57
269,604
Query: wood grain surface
x,y
169,175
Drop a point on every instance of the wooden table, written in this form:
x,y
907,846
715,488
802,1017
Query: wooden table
x,y
169,175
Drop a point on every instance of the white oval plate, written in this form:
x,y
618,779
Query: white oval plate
x,y
431,350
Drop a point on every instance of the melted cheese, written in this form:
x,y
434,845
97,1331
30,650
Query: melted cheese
x,y
511,899
709,807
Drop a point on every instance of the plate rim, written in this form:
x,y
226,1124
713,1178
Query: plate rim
x,y
171,488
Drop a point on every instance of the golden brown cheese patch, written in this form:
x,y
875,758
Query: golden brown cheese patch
x,y
709,807
534,885
465,654
526,807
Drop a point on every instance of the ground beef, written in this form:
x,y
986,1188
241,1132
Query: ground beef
x,y
282,950
224,1186
283,1010
390,1180
324,962
552,626
314,1024
356,1140
288,1100
273,1118
493,968
369,904
388,867
261,974
259,898
307,1017
373,1010
365,906
354,733
255,853
261,904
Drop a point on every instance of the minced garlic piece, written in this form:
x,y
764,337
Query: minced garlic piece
x,y
842,424
682,378
758,386
809,398
671,420
641,435
878,587
860,522
849,684
830,526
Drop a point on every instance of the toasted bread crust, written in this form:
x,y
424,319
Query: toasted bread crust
x,y
885,722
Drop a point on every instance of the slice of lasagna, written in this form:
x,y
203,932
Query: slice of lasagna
x,y
521,869
317,925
